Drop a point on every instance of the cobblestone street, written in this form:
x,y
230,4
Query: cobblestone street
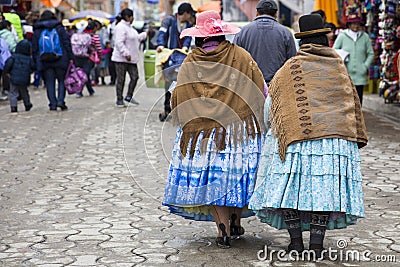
x,y
84,188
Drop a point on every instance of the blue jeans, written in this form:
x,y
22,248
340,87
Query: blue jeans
x,y
49,77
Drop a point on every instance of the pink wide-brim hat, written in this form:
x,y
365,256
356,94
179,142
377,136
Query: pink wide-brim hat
x,y
209,23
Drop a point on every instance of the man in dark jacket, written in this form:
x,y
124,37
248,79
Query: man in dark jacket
x,y
168,36
53,70
19,68
268,42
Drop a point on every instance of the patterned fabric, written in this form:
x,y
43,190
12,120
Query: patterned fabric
x,y
317,175
221,90
222,178
313,97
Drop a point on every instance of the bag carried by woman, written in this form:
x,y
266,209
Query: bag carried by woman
x,y
75,79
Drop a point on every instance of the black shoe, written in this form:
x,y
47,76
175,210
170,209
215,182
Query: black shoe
x,y
28,107
53,108
163,116
14,109
130,100
223,241
236,231
62,106
120,103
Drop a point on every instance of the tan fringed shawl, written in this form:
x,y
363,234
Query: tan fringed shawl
x,y
215,89
313,97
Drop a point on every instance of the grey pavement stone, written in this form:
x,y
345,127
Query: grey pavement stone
x,y
84,188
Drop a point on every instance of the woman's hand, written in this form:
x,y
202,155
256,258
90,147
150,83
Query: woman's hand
x,y
128,58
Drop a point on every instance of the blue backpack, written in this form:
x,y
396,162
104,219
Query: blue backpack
x,y
49,45
4,53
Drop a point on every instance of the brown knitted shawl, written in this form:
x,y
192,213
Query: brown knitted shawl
x,y
313,97
215,89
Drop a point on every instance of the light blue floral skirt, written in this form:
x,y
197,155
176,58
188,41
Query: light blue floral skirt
x,y
317,175
211,177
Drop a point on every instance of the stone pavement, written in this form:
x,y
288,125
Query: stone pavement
x,y
84,187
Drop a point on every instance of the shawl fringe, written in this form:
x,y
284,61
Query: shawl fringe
x,y
253,129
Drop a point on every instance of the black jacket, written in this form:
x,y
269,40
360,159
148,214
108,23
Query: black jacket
x,y
20,65
67,55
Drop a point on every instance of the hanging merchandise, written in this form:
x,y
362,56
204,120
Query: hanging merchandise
x,y
373,21
368,11
389,42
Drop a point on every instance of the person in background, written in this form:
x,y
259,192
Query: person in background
x,y
126,56
19,68
55,70
3,95
5,53
10,38
215,154
31,19
111,36
16,26
268,42
85,62
168,37
361,54
100,31
69,27
309,175
105,61
7,35
332,34
322,14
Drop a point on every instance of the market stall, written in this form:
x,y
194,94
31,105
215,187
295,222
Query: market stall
x,y
382,22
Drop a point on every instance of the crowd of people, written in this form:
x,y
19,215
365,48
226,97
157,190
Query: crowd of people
x,y
53,45
265,124
121,56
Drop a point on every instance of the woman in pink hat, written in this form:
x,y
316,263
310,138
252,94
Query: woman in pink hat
x,y
218,107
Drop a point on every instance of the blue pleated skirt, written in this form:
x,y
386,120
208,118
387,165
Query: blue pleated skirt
x,y
222,178
317,175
